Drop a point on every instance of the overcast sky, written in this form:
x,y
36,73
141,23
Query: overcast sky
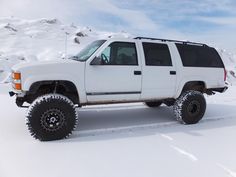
x,y
210,21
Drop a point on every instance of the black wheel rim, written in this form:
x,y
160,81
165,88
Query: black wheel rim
x,y
193,108
52,120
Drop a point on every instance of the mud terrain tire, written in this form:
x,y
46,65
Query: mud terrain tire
x,y
51,117
190,107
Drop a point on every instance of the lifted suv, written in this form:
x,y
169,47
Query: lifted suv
x,y
149,70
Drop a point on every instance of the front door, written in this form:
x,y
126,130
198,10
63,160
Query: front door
x,y
117,75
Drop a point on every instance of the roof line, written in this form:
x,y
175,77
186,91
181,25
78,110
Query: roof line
x,y
170,40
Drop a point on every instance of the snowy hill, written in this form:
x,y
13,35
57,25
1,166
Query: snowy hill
x,y
230,63
45,39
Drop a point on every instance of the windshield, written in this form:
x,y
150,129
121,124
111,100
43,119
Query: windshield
x,y
85,53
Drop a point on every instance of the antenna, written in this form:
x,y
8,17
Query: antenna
x,y
66,33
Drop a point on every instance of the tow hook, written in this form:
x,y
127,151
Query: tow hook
x,y
11,94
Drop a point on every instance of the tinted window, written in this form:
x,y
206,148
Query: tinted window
x,y
120,53
199,56
156,54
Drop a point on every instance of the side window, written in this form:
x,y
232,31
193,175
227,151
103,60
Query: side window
x,y
106,53
209,57
157,54
188,55
199,56
120,53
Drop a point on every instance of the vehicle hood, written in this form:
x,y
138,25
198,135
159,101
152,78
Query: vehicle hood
x,y
68,70
41,64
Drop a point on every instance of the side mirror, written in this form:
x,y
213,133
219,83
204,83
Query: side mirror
x,y
96,61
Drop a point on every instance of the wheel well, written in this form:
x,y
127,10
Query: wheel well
x,y
195,85
65,88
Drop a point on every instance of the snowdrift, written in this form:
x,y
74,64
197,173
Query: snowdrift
x,y
230,64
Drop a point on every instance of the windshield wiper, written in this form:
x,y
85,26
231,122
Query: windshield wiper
x,y
74,58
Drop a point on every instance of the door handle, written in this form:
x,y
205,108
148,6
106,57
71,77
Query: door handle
x,y
172,72
137,73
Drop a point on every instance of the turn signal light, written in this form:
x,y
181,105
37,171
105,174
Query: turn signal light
x,y
16,76
17,86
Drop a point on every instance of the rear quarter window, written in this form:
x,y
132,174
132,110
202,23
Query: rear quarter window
x,y
199,56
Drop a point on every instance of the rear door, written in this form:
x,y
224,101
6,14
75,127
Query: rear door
x,y
117,77
159,71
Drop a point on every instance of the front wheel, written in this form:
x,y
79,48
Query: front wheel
x,y
190,107
51,117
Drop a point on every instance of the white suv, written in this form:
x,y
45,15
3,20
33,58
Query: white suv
x,y
149,70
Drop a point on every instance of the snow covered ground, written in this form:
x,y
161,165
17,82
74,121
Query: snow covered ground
x,y
110,141
124,140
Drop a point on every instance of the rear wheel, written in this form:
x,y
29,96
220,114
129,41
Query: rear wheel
x,y
153,104
190,107
51,117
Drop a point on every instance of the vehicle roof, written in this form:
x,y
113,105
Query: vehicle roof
x,y
171,40
158,39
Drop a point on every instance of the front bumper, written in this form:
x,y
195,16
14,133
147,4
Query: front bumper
x,y
220,90
20,97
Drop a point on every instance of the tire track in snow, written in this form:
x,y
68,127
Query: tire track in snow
x,y
227,170
119,130
185,153
130,129
167,137
216,118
